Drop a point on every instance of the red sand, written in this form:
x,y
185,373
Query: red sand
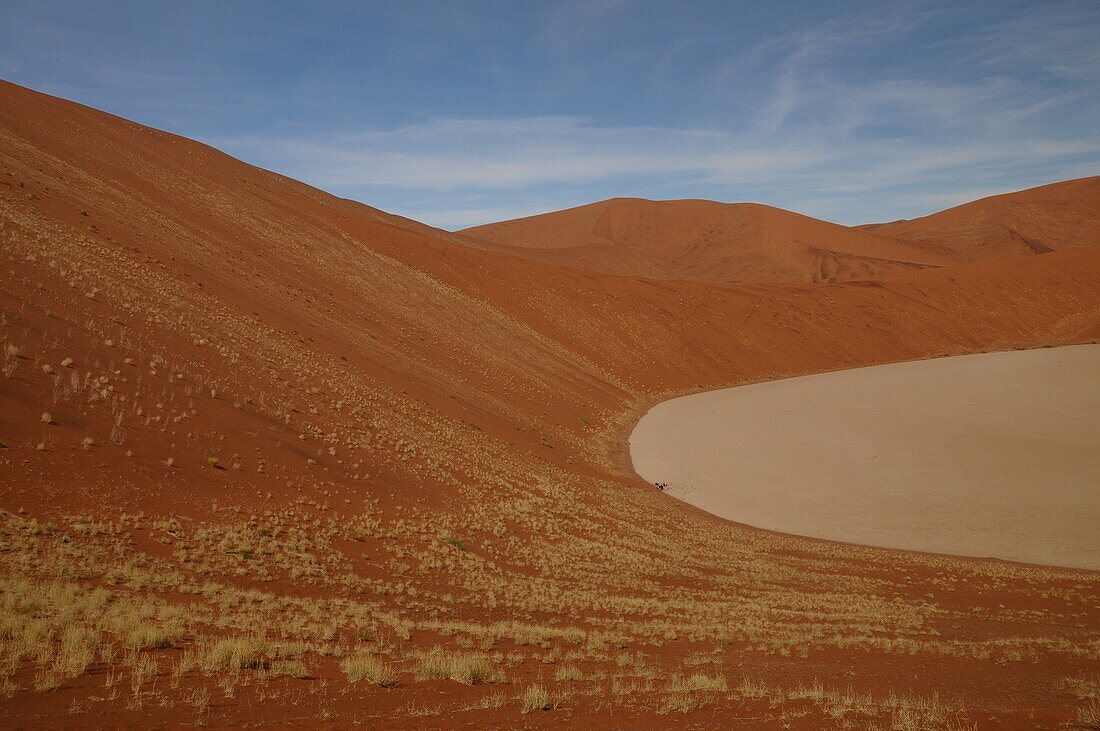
x,y
1048,218
704,241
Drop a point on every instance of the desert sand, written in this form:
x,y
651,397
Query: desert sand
x,y
269,455
732,243
992,454
1051,217
706,241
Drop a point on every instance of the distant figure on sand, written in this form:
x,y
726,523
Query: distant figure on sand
x,y
661,486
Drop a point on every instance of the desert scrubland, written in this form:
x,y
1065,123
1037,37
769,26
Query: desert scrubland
x,y
270,456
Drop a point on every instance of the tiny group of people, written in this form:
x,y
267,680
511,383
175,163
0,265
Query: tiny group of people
x,y
662,486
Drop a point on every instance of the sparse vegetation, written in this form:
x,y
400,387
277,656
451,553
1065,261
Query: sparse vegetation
x,y
537,698
467,668
373,669
365,534
1088,715
234,654
568,673
148,636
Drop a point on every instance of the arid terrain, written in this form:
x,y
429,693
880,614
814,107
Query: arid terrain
x,y
271,457
980,455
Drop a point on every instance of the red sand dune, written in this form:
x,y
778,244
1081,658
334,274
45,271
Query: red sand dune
x,y
705,241
238,405
1048,218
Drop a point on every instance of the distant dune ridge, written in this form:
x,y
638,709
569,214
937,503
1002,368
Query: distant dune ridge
x,y
748,242
301,443
704,241
1035,221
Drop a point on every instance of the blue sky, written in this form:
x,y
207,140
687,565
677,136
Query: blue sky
x,y
458,113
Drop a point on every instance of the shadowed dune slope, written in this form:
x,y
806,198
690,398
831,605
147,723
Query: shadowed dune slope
x,y
261,408
1034,221
706,241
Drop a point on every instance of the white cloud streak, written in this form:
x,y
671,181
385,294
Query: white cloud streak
x,y
447,155
973,120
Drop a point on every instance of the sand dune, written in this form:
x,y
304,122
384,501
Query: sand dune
x,y
706,241
1048,218
727,243
234,405
979,455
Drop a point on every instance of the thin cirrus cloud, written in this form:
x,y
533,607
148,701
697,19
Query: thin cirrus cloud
x,y
519,159
871,118
449,154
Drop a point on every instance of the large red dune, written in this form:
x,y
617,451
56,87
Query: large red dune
x,y
705,241
1048,218
270,456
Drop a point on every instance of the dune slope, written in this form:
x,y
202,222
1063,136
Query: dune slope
x,y
1048,218
259,443
705,241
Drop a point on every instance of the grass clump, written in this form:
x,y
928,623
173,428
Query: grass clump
x,y
569,672
371,668
236,653
148,636
700,682
688,694
537,698
679,702
467,668
1088,715
291,668
750,688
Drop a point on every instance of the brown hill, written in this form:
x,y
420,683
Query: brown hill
x,y
705,241
266,453
1034,221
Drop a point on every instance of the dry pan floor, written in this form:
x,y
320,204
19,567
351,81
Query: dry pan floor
x,y
996,454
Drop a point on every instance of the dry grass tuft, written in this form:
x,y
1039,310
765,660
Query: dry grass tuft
x,y
292,668
368,667
679,703
468,668
148,636
569,672
235,654
537,698
700,682
1088,715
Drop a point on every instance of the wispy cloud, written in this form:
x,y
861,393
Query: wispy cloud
x,y
447,155
825,117
844,111
517,156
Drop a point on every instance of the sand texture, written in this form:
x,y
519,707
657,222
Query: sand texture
x,y
1049,218
995,454
707,241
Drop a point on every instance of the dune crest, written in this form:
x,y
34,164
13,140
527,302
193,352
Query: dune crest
x,y
1052,217
706,241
